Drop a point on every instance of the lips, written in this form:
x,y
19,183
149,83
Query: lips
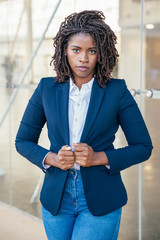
x,y
82,68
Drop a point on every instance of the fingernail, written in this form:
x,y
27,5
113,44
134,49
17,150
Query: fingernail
x,y
68,148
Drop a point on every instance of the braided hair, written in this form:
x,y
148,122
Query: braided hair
x,y
88,22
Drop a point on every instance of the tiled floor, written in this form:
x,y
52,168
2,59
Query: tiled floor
x,y
20,178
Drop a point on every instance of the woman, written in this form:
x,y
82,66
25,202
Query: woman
x,y
83,194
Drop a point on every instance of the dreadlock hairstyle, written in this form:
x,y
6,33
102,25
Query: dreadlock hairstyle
x,y
92,23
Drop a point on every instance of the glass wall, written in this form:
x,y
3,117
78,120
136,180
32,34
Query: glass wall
x,y
150,171
137,26
140,66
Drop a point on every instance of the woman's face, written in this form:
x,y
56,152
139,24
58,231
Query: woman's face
x,y
82,57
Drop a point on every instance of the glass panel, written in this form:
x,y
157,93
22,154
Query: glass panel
x,y
129,69
150,170
21,27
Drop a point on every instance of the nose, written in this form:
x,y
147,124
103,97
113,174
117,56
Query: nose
x,y
83,58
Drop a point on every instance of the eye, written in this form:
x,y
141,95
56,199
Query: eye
x,y
75,50
92,51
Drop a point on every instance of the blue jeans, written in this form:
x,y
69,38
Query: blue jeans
x,y
74,221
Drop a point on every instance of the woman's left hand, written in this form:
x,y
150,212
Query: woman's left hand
x,y
84,155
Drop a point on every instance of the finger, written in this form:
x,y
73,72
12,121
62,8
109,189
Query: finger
x,y
67,164
81,163
81,158
63,167
66,158
80,149
65,153
80,144
81,154
66,147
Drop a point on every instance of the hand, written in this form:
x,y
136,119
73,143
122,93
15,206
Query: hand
x,y
84,155
64,159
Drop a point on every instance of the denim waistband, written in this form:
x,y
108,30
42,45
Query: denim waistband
x,y
74,173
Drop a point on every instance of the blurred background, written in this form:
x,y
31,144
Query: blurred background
x,y
26,46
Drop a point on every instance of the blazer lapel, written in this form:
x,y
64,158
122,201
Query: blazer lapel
x,y
97,95
62,99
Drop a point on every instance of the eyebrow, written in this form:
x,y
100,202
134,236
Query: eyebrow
x,y
80,47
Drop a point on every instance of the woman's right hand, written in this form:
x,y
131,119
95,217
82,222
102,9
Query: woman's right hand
x,y
64,159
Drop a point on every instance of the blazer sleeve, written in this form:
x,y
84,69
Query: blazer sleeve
x,y
139,143
30,128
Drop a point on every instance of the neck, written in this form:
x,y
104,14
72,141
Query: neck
x,y
80,82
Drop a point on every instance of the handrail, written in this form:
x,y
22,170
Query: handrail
x,y
29,64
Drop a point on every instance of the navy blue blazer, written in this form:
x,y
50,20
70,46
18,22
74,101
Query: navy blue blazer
x,y
109,108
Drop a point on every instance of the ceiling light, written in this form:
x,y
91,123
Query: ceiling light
x,y
149,26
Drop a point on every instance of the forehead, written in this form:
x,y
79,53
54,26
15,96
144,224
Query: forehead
x,y
82,38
